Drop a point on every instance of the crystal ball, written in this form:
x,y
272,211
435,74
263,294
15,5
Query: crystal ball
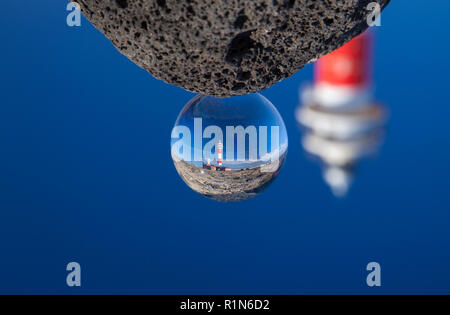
x,y
229,149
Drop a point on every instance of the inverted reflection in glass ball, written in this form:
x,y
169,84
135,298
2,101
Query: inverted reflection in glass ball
x,y
229,149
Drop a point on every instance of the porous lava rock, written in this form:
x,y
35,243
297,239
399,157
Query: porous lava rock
x,y
227,47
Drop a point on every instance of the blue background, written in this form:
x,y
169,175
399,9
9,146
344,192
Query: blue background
x,y
86,175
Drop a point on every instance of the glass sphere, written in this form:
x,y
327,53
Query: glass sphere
x,y
229,149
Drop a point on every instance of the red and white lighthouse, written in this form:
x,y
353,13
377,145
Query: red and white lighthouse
x,y
342,122
343,78
220,153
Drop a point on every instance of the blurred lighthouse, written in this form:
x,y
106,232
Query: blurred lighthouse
x,y
342,79
343,124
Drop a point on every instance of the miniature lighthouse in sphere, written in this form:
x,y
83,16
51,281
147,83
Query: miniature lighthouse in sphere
x,y
220,153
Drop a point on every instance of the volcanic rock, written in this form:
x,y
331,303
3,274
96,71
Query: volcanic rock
x,y
227,47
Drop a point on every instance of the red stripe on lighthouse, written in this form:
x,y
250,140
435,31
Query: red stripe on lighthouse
x,y
350,65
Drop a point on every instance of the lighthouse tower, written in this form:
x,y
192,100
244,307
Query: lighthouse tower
x,y
343,123
342,79
220,153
